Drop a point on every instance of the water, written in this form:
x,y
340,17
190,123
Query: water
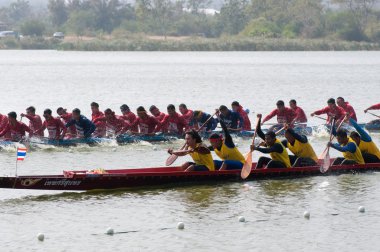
x,y
148,218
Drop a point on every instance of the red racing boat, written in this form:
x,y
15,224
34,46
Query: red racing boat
x,y
132,178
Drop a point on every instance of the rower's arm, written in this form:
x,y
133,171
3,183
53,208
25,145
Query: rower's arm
x,y
260,133
363,134
275,148
227,136
202,150
270,116
351,147
301,138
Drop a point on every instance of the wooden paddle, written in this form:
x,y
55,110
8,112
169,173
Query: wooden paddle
x,y
373,114
326,159
172,158
247,167
320,117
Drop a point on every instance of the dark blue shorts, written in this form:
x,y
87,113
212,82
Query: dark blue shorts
x,y
199,167
231,164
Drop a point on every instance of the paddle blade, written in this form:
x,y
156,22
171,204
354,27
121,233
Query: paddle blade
x,y
171,160
246,170
323,154
326,163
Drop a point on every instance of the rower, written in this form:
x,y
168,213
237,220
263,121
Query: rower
x,y
200,117
173,122
347,108
351,152
332,111
84,127
113,123
148,125
304,154
373,107
157,113
14,130
200,154
100,125
35,121
370,151
300,114
186,113
55,127
66,117
225,148
273,147
129,116
284,115
236,107
232,120
3,123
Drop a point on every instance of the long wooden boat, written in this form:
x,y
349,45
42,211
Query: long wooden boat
x,y
173,176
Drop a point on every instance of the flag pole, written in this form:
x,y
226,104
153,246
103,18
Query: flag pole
x,y
16,168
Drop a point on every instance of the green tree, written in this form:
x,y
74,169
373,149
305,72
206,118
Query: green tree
x,y
32,28
233,16
58,12
195,5
19,10
81,21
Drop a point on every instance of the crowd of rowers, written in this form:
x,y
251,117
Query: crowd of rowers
x,y
358,148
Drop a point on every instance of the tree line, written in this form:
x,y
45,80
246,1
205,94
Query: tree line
x,y
350,20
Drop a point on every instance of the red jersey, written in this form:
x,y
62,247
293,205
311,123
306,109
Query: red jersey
x,y
376,106
336,112
3,123
285,116
35,123
67,118
100,130
118,125
188,116
130,117
16,132
54,126
173,124
350,110
300,115
147,125
244,115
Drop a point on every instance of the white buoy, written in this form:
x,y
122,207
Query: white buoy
x,y
181,225
306,215
154,148
41,237
110,231
361,209
241,219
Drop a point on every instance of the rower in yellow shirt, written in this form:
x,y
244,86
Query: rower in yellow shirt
x,y
370,151
273,147
351,152
304,154
199,152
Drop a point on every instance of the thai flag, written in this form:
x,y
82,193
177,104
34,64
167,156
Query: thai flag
x,y
21,153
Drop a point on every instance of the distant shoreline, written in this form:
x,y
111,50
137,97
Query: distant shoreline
x,y
184,44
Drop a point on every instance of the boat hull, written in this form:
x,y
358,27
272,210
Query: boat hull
x,y
134,178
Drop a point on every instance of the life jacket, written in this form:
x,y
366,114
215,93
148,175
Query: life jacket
x,y
370,148
203,159
282,157
357,156
226,153
303,150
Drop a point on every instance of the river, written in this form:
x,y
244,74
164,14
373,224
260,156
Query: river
x,y
146,219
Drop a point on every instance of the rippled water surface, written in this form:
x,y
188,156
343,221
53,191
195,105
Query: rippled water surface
x,y
146,219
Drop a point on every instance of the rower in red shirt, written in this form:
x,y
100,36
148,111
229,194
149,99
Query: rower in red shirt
x,y
157,113
14,129
332,110
174,121
147,124
35,121
236,107
3,122
284,114
115,123
186,113
347,108
55,126
129,116
100,130
300,114
67,117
